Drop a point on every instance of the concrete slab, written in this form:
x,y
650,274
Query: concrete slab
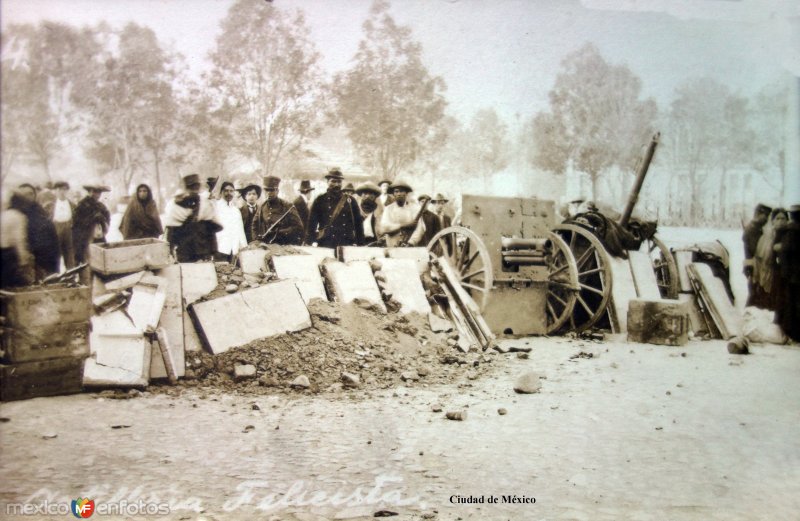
x,y
659,321
118,361
198,280
124,282
320,254
360,253
403,282
172,323
351,281
623,290
269,310
114,323
643,275
418,255
303,270
253,261
147,303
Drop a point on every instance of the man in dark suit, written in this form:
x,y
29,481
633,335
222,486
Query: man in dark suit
x,y
335,219
250,193
276,220
303,201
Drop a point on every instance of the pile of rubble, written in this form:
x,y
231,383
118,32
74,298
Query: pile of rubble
x,y
354,345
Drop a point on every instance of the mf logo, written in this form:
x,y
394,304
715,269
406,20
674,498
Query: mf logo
x,y
82,507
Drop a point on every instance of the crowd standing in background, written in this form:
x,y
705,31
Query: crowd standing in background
x,y
211,220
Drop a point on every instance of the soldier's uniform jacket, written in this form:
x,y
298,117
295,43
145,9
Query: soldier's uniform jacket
x,y
347,230
288,231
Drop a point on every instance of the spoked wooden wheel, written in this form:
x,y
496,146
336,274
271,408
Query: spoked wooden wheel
x,y
562,283
467,255
665,267
594,276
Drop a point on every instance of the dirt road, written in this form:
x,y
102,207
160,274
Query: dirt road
x,y
634,432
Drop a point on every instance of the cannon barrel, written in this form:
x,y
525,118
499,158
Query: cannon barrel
x,y
637,185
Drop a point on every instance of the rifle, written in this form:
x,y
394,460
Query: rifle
x,y
272,227
408,229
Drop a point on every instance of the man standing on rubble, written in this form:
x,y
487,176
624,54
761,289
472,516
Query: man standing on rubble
x,y
277,220
335,219
191,223
371,211
400,218
752,233
251,194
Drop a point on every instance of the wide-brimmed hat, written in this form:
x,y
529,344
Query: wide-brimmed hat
x,y
401,185
334,173
387,181
96,188
190,180
440,198
423,196
271,181
251,186
368,187
348,188
305,186
763,208
60,184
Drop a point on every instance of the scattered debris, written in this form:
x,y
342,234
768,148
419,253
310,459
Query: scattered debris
x,y
739,346
502,411
244,372
301,382
528,383
456,415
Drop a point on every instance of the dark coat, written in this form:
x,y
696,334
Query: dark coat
x,y
302,210
787,313
247,221
41,235
752,232
347,230
88,214
288,231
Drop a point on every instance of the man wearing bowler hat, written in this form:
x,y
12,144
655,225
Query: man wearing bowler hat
x,y
191,223
303,201
335,219
277,220
251,194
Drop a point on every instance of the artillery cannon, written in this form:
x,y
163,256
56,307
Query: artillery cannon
x,y
531,275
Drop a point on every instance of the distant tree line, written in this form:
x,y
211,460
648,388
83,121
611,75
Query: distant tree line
x,y
130,104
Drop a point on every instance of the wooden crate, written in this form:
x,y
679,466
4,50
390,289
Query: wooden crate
x,y
46,342
34,307
42,378
129,256
663,322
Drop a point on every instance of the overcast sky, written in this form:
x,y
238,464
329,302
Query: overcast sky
x,y
502,53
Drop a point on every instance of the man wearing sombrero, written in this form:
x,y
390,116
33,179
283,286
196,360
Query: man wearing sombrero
x,y
90,221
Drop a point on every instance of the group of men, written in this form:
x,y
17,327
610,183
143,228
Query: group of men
x,y
368,214
39,233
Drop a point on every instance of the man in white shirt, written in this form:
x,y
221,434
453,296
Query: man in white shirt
x,y
232,236
399,218
60,211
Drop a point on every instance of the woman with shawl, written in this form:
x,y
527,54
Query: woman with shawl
x,y
141,219
766,282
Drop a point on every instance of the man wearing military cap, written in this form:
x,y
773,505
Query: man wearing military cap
x,y
303,202
400,218
371,211
191,223
335,219
277,220
251,194
751,235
